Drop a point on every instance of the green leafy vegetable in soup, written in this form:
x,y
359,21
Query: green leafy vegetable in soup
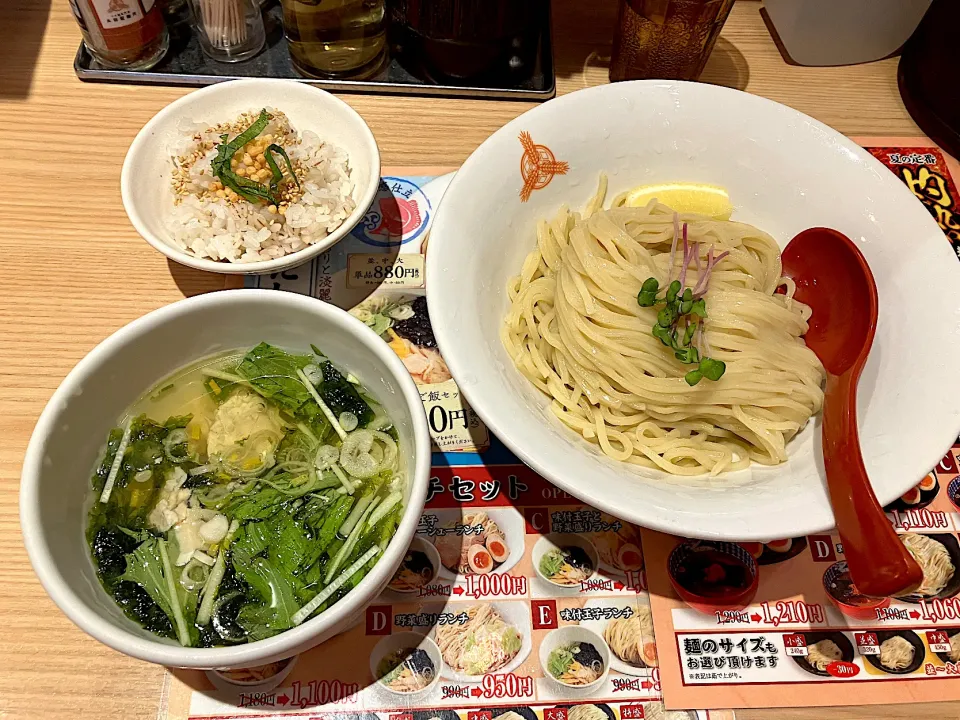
x,y
244,495
575,664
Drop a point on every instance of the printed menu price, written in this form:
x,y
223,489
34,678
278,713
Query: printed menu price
x,y
503,686
790,612
365,270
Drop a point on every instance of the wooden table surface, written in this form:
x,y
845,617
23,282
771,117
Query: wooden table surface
x,y
75,270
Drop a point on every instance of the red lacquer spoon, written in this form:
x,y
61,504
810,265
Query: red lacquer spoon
x,y
833,278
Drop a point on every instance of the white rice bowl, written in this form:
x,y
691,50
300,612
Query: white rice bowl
x,y
348,146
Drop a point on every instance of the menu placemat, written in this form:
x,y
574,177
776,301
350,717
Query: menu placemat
x,y
479,490
506,573
807,626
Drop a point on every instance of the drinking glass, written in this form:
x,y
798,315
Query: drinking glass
x,y
666,39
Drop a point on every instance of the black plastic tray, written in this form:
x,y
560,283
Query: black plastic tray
x,y
185,64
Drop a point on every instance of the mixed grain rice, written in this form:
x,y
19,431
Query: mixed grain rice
x,y
209,221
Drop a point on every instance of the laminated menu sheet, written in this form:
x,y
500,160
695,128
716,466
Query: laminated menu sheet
x,y
508,581
807,624
378,273
807,637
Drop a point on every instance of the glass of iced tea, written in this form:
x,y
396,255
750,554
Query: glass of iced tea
x,y
336,38
666,39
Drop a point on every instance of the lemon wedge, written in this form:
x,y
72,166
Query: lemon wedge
x,y
685,198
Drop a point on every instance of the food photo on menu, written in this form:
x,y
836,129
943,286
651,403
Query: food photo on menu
x,y
618,420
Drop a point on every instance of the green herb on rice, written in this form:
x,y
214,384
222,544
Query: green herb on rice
x,y
246,188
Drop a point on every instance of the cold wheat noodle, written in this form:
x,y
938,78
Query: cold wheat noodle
x,y
586,712
631,639
954,653
933,558
483,644
822,653
896,653
657,711
576,331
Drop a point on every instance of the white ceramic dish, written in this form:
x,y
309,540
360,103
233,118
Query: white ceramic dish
x,y
513,613
225,682
558,540
565,636
69,437
405,641
418,544
785,172
434,191
147,168
640,603
510,523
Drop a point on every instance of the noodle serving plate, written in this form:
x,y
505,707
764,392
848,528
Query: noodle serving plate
x,y
511,525
640,604
515,614
784,172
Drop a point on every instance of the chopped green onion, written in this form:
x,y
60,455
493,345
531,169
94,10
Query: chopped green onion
x,y
385,507
117,462
156,394
348,421
327,456
351,542
323,406
354,517
182,633
187,580
221,375
175,438
307,610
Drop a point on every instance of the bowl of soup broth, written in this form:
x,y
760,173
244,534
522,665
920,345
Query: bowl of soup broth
x,y
713,575
227,481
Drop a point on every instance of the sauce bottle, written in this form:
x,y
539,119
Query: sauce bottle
x,y
122,34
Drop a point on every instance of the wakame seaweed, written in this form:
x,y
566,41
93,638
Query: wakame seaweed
x,y
342,396
247,456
